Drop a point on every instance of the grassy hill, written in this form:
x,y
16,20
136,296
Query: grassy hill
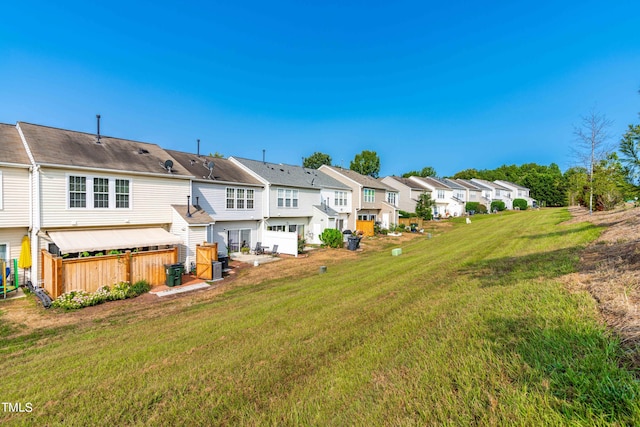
x,y
470,327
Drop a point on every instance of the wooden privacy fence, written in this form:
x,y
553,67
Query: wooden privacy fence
x,y
61,275
415,220
205,255
366,227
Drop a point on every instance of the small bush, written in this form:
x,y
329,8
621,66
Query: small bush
x,y
138,288
78,299
520,204
332,238
498,205
471,206
482,209
301,243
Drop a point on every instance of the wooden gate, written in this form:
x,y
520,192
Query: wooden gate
x,y
205,255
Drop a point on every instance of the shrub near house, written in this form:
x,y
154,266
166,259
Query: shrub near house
x,y
520,204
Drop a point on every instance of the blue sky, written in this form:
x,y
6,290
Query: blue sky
x,y
423,83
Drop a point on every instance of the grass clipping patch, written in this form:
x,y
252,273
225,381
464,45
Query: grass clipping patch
x,y
610,271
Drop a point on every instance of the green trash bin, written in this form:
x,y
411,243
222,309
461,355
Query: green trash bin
x,y
173,274
170,277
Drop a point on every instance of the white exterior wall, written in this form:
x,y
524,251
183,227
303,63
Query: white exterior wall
x,y
150,200
14,197
287,242
306,199
213,199
12,237
329,194
218,232
180,228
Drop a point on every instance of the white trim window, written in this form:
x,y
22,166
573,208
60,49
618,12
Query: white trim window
x,y
92,192
101,193
250,198
440,194
366,217
340,198
369,195
77,191
497,192
287,198
231,198
240,198
392,198
122,194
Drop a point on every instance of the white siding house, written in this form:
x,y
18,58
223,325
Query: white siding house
x,y
84,182
232,197
496,191
517,191
297,203
446,202
15,202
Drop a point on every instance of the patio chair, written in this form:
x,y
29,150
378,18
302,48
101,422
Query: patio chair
x,y
258,250
274,251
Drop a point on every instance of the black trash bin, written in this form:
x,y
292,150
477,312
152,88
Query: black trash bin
x,y
224,259
353,243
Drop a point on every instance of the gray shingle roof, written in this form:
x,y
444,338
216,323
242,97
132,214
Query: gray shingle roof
x,y
53,146
198,215
12,150
467,184
434,182
489,184
224,170
291,176
408,182
364,180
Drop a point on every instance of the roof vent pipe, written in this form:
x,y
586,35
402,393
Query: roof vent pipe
x,y
198,148
98,135
263,155
188,210
198,201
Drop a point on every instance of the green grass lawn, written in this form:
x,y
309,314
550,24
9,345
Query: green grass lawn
x,y
471,327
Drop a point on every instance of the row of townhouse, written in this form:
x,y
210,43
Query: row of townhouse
x,y
72,192
451,195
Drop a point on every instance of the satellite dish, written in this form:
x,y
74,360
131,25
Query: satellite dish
x,y
168,165
210,166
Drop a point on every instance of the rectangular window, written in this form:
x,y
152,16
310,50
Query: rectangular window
x,y
391,198
77,192
440,194
122,193
249,199
497,193
4,252
231,198
240,198
340,198
280,198
100,193
369,195
287,198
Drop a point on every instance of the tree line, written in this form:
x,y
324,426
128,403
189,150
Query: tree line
x,y
601,177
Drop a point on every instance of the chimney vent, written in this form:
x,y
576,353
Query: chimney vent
x,y
98,134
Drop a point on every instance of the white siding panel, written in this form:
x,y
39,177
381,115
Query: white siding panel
x,y
150,202
213,199
14,211
13,238
306,199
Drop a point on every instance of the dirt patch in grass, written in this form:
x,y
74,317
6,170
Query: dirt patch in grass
x,y
610,271
26,315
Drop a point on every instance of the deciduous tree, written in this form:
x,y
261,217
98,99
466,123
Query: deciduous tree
x,y
316,160
366,163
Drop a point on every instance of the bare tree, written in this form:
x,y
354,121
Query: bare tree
x,y
592,144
